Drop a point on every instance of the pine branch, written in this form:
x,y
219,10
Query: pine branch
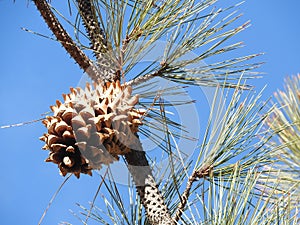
x,y
92,26
285,120
98,40
151,198
147,189
196,175
64,38
142,79
138,165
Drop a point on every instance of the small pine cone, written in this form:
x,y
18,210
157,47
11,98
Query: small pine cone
x,y
92,127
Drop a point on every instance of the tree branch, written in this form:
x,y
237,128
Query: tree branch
x,y
151,198
64,38
141,79
105,61
196,175
92,26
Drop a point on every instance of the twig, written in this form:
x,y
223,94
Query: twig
x,y
196,175
64,38
141,79
125,43
146,77
21,124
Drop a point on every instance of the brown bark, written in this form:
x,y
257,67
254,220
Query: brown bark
x,y
64,38
151,198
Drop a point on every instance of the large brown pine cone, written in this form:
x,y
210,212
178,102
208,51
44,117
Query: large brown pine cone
x,y
92,127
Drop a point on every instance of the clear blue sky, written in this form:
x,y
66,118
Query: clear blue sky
x,y
35,72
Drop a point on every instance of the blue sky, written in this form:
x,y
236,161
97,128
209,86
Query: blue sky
x,y
35,72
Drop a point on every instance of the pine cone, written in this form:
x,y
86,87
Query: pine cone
x,y
92,127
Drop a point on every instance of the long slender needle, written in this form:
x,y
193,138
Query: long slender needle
x,y
94,199
52,199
